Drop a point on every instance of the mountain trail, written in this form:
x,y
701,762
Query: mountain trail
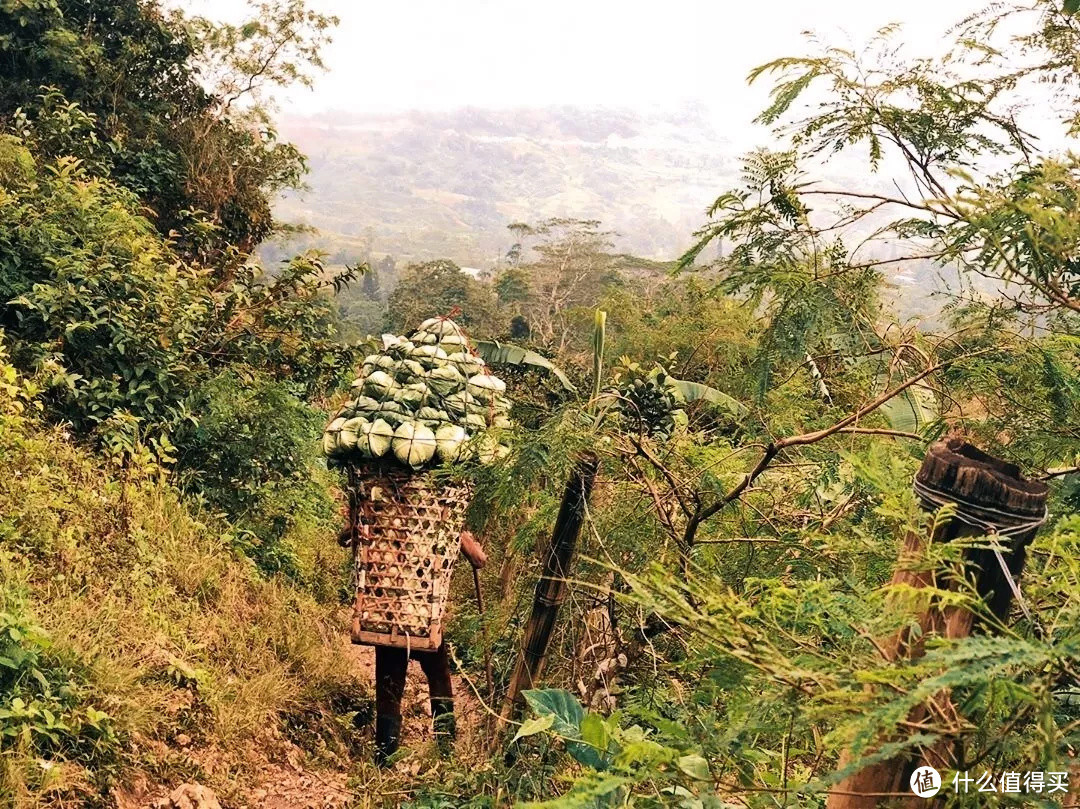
x,y
274,773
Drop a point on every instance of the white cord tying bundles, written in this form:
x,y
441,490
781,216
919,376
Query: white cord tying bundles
x,y
964,513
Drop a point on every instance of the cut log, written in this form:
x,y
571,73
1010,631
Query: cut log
x,y
996,490
987,486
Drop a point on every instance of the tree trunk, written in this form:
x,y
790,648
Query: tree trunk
x,y
966,474
551,588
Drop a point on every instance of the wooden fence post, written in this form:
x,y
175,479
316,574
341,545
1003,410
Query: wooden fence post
x,y
551,588
956,471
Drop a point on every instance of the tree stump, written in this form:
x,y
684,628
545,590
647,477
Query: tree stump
x,y
989,488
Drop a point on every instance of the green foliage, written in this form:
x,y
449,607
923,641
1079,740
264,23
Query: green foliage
x,y
441,288
93,295
817,299
651,402
599,338
498,354
910,411
126,615
118,326
134,78
621,758
730,614
723,630
696,392
566,717
1021,227
46,706
149,351
251,454
279,46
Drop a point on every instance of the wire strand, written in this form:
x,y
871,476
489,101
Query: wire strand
x,y
969,513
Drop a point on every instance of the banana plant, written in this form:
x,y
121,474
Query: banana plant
x,y
495,353
697,392
911,410
557,558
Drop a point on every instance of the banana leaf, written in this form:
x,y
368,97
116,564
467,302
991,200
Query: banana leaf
x,y
911,410
697,392
495,353
599,335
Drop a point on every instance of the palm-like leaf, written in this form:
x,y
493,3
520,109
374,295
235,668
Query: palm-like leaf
x,y
496,353
910,410
697,392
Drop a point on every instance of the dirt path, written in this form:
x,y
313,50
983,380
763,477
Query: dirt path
x,y
292,785
279,775
415,709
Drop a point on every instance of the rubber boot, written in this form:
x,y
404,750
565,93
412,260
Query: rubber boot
x,y
445,726
387,737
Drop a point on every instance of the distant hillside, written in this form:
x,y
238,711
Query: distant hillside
x,y
418,186
446,184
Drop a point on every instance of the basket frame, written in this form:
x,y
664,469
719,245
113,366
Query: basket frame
x,y
417,520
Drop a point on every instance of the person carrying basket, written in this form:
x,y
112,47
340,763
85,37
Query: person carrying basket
x,y
391,666
422,402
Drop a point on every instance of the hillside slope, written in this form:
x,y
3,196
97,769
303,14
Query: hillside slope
x,y
425,185
139,651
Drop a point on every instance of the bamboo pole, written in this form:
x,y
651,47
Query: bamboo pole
x,y
488,670
552,586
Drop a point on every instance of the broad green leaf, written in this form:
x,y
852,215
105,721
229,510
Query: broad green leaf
x,y
594,731
588,755
496,353
1071,6
695,766
910,410
561,705
567,716
641,752
592,750
531,727
697,392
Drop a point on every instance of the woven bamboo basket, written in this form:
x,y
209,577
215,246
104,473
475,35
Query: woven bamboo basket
x,y
406,539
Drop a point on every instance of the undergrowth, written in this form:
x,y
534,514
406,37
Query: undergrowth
x,y
129,621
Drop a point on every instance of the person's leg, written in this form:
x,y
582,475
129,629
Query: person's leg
x,y
391,666
436,666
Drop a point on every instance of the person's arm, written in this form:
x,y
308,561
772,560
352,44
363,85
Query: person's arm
x,y
473,550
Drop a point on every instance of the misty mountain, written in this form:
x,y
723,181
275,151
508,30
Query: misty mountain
x,y
418,186
424,185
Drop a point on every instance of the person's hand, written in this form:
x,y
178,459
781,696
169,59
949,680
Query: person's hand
x,y
472,550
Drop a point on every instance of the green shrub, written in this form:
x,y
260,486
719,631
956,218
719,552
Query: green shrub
x,y
105,310
146,623
251,454
45,701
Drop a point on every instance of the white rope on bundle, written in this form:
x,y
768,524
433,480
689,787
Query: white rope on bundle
x,y
990,521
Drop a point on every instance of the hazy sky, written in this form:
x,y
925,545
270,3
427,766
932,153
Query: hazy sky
x,y
427,54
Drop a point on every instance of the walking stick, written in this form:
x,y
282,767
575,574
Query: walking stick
x,y
487,648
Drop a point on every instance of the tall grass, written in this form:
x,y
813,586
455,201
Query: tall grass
x,y
148,622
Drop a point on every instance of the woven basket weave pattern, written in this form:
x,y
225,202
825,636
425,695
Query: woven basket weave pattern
x,y
408,538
